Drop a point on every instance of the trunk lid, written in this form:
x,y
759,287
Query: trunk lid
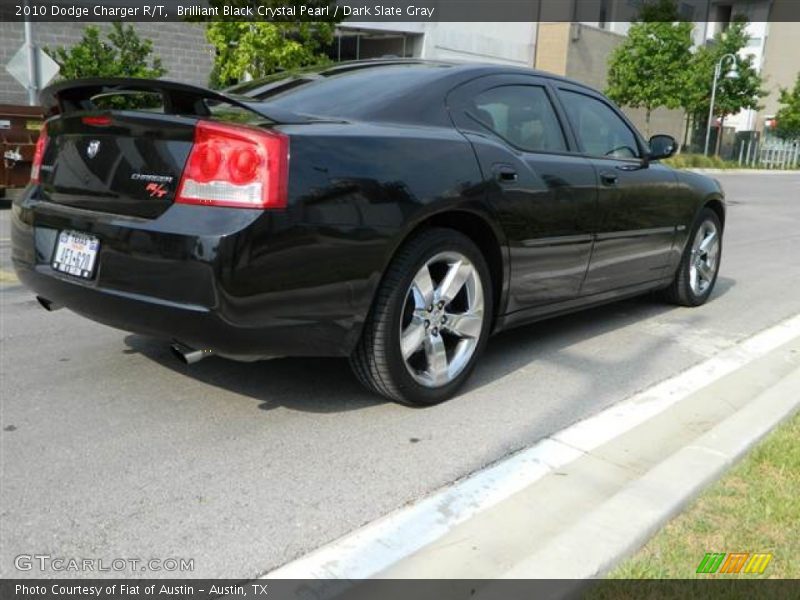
x,y
103,155
129,164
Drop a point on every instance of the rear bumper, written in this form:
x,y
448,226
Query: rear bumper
x,y
196,326
191,276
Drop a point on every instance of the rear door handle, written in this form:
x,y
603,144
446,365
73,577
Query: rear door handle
x,y
609,178
505,173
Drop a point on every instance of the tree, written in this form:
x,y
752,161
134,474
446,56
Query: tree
x,y
258,48
659,10
648,70
733,95
123,55
788,117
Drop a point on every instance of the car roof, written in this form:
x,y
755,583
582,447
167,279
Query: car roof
x,y
384,89
449,69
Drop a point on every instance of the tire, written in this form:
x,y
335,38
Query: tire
x,y
686,288
385,359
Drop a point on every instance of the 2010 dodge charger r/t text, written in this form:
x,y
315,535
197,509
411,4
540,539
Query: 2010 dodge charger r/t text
x,y
393,212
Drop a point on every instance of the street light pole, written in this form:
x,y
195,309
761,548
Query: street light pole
x,y
30,49
717,72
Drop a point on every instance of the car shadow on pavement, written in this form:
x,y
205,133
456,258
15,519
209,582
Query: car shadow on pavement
x,y
318,385
548,339
326,385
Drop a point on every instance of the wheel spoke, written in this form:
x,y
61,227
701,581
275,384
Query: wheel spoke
x,y
423,288
693,279
434,361
412,337
466,325
436,354
457,275
705,271
708,242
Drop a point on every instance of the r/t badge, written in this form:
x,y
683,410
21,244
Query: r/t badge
x,y
156,190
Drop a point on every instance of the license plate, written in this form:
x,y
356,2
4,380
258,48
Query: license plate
x,y
76,254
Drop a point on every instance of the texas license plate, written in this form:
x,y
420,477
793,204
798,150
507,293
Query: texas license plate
x,y
76,254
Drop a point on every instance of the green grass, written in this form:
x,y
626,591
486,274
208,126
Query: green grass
x,y
700,161
753,508
8,277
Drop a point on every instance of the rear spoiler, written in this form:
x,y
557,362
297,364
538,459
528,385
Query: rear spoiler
x,y
179,98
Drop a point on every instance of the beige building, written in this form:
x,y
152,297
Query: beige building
x,y
581,52
781,65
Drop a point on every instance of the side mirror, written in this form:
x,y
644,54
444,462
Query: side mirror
x,y
662,146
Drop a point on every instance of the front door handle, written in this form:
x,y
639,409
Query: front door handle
x,y
505,173
609,178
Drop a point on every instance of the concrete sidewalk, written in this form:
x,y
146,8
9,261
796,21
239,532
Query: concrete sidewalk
x,y
581,520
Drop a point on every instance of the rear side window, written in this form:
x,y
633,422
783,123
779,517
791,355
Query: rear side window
x,y
600,130
522,115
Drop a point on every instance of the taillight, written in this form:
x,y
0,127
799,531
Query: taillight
x,y
38,155
232,165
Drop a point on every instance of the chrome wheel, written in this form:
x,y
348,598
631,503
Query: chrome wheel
x,y
704,260
442,319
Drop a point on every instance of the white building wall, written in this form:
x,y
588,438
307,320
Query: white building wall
x,y
757,12
746,119
503,43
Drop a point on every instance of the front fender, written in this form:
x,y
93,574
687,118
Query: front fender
x,y
699,191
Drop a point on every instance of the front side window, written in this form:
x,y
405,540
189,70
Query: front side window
x,y
601,131
522,115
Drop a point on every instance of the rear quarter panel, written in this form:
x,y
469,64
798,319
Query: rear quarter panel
x,y
355,192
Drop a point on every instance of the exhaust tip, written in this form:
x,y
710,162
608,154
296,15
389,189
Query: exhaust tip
x,y
187,355
48,305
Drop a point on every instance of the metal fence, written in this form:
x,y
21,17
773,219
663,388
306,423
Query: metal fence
x,y
770,154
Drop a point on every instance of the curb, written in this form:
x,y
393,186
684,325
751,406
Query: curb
x,y
604,536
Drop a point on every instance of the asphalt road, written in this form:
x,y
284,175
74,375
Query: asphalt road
x,y
112,449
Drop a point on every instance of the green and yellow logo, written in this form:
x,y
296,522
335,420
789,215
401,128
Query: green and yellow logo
x,y
734,562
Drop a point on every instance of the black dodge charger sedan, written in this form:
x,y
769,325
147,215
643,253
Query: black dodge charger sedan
x,y
394,212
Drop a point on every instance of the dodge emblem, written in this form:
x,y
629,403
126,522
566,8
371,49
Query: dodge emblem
x,y
93,148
